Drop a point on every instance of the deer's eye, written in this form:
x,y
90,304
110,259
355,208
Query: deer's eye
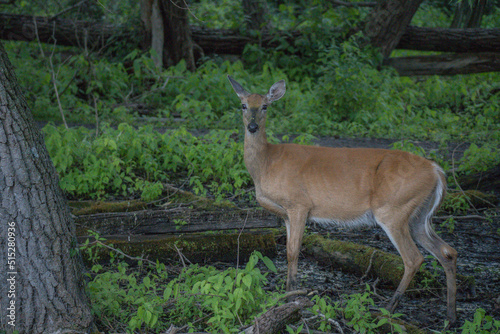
x,y
244,106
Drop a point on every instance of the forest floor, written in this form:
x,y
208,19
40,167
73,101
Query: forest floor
x,y
476,240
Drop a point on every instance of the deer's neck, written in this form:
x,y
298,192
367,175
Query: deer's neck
x,y
256,147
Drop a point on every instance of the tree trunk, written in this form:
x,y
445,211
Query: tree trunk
x,y
167,28
468,14
45,290
387,23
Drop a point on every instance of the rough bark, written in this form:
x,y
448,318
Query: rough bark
x,y
166,25
388,21
45,278
157,34
446,64
167,221
147,24
468,14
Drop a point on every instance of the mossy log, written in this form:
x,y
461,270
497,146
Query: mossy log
x,y
355,258
365,260
197,248
485,181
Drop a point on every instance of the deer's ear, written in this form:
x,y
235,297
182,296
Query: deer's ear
x,y
240,91
276,91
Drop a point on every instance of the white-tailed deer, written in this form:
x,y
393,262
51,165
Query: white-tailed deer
x,y
396,190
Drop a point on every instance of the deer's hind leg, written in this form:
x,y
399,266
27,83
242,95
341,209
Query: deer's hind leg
x,y
397,229
424,234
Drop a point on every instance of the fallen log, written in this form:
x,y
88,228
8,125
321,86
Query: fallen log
x,y
483,181
175,220
276,319
450,40
368,261
97,35
445,64
197,248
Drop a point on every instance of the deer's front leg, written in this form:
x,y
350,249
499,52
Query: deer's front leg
x,y
295,225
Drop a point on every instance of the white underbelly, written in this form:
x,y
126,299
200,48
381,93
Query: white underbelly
x,y
366,219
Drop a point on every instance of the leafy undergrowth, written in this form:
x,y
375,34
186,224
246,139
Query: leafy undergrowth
x,y
130,162
134,162
344,95
152,298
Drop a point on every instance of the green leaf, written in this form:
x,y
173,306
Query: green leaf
x,y
269,264
247,280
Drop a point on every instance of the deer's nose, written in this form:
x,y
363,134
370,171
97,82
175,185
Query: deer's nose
x,y
253,127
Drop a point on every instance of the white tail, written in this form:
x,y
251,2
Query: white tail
x,y
396,190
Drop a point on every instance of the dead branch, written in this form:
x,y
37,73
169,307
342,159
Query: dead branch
x,y
352,4
276,319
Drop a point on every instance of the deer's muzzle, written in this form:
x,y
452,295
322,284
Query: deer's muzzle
x,y
253,127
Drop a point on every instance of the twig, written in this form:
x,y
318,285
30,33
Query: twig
x,y
53,75
455,176
53,17
238,243
180,256
187,7
335,323
104,7
369,266
122,253
69,83
462,217
129,93
294,293
96,117
353,4
374,287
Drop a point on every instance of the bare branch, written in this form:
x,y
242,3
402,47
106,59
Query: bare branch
x,y
352,4
53,17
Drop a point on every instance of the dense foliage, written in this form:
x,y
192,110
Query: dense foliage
x,y
145,127
349,98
